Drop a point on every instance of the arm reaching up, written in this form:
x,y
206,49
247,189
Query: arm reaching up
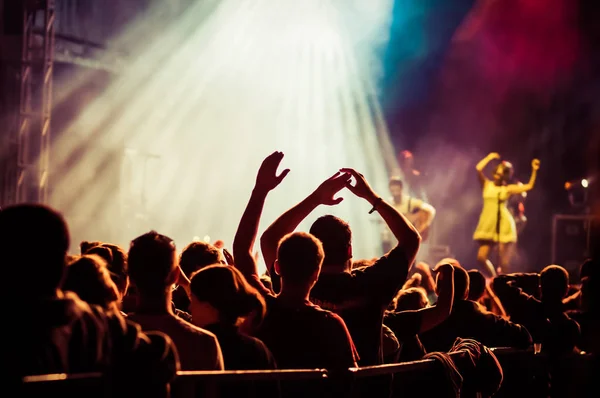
x,y
407,235
484,162
419,321
243,243
288,221
516,188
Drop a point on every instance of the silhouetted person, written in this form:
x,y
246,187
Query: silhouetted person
x,y
153,270
545,317
56,332
468,320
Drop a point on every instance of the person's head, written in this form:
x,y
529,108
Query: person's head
x,y
476,285
153,263
336,237
116,262
461,278
299,259
414,298
198,255
89,278
220,293
396,188
503,173
34,240
554,283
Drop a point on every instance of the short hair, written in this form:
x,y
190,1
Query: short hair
x,y
554,283
116,261
34,241
151,262
89,278
476,285
336,237
461,283
226,289
396,181
198,255
300,256
411,299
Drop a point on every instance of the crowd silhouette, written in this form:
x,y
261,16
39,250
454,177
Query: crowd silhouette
x,y
141,314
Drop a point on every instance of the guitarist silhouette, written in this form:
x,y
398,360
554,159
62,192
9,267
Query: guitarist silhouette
x,y
419,213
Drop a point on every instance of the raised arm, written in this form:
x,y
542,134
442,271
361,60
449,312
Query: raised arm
x,y
243,243
407,235
289,220
420,321
484,162
520,188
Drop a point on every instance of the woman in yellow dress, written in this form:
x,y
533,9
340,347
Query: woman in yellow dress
x,y
496,225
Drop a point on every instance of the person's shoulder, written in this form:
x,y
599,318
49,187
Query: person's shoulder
x,y
193,330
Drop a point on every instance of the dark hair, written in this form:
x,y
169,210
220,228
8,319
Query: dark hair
x,y
151,262
34,240
507,170
116,261
461,283
89,278
336,237
413,298
198,255
226,289
300,256
396,181
476,285
554,283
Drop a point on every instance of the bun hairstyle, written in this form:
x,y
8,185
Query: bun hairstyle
x,y
226,289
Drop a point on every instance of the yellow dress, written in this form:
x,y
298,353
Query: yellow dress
x,y
495,199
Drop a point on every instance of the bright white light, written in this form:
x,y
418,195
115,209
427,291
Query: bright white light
x,y
584,183
212,100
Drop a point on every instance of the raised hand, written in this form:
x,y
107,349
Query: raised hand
x,y
444,270
361,187
535,164
325,193
493,155
267,178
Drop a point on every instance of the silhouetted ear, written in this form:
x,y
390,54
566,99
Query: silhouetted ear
x,y
276,267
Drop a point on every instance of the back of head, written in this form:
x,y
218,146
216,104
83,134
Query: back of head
x,y
461,278
299,258
116,261
554,283
461,283
226,289
89,278
34,240
152,263
414,298
336,237
198,255
476,285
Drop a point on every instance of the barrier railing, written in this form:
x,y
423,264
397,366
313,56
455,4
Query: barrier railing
x,y
525,374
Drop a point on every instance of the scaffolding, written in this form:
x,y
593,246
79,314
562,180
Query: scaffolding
x,y
28,153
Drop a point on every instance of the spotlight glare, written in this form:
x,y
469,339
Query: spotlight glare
x,y
584,183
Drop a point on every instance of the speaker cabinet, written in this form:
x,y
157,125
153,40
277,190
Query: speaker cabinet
x,y
574,239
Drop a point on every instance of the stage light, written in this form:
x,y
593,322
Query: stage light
x,y
212,99
584,183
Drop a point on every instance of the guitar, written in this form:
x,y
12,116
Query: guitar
x,y
416,218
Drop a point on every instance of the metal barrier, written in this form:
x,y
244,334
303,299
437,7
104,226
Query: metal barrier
x,y
525,375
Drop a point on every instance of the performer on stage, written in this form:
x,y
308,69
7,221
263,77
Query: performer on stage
x,y
496,225
420,213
